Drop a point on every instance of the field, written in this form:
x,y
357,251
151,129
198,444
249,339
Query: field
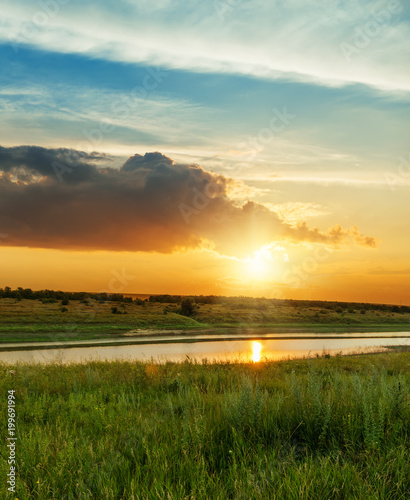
x,y
33,320
327,428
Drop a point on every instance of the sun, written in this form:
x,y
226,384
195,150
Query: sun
x,y
265,262
258,265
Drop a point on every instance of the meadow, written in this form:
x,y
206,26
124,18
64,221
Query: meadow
x,y
48,320
322,428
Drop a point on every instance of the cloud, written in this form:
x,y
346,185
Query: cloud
x,y
61,198
297,40
27,162
335,236
294,212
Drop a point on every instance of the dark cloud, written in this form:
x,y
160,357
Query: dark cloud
x,y
59,198
149,160
28,162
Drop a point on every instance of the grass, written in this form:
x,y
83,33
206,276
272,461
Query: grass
x,y
331,428
31,320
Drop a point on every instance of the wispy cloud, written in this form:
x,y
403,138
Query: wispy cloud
x,y
294,212
291,40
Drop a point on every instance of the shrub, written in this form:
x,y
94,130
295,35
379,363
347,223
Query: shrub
x,y
115,310
48,301
188,306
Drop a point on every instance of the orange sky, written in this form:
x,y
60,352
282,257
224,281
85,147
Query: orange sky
x,y
201,272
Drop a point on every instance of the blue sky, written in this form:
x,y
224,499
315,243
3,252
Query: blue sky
x,y
228,65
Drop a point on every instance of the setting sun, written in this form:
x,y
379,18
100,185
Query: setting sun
x,y
258,266
265,262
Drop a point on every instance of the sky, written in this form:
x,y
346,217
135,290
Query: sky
x,y
227,147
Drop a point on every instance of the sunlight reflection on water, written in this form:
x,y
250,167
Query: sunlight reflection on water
x,y
233,351
256,351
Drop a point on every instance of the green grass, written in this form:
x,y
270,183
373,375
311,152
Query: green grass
x,y
31,320
306,429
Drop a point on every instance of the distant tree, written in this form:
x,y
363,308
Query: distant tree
x,y
188,306
65,302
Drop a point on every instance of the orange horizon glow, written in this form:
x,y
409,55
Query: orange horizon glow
x,y
195,273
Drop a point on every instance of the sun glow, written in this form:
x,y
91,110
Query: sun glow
x,y
263,262
256,351
257,266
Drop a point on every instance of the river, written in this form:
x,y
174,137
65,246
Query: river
x,y
200,348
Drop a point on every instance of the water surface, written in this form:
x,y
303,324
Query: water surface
x,y
233,350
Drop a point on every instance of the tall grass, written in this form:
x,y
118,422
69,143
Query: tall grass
x,y
314,429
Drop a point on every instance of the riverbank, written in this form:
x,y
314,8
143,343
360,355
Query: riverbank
x,y
312,428
182,337
34,321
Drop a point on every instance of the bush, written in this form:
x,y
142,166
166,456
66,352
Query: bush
x,y
48,301
115,310
65,302
63,309
188,306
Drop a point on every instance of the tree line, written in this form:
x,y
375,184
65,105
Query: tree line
x,y
27,293
241,301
